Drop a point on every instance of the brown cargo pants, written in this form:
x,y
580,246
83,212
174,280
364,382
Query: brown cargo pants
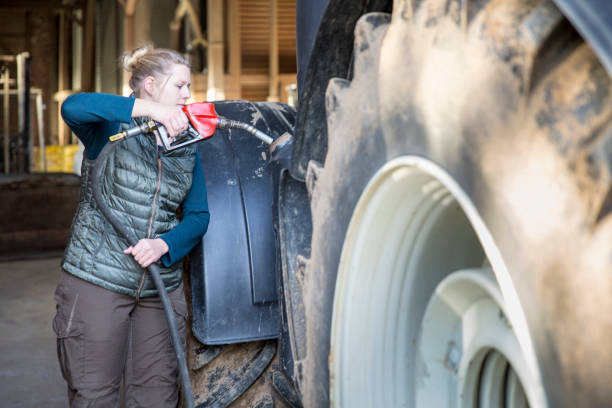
x,y
105,337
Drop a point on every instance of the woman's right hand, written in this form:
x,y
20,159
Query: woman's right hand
x,y
171,116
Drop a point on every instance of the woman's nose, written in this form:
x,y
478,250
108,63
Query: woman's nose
x,y
185,93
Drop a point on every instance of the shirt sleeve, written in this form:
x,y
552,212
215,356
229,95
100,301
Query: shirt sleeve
x,y
95,116
182,238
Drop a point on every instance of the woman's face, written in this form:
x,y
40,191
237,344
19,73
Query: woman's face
x,y
173,88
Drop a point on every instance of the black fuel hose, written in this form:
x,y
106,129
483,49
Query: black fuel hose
x,y
153,269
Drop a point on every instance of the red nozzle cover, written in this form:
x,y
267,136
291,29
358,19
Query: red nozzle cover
x,y
203,117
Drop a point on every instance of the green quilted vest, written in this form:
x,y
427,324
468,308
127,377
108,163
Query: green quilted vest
x,y
144,187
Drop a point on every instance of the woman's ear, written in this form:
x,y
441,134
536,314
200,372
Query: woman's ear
x,y
148,86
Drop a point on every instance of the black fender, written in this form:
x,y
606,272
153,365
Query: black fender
x,y
233,270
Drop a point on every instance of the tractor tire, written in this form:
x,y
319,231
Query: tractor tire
x,y
461,220
232,375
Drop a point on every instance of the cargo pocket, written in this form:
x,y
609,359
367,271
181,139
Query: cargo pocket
x,y
69,333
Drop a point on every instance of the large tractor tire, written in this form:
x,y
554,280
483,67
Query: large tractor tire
x,y
461,234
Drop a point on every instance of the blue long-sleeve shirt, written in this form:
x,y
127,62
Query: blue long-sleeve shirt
x,y
93,117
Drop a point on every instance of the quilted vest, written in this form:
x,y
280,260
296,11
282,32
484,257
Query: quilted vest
x,y
144,187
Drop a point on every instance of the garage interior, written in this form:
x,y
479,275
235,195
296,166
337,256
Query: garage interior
x,y
50,49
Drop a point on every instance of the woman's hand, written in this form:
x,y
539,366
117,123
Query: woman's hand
x,y
147,251
171,116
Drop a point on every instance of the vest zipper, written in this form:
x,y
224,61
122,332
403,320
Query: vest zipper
x,y
159,175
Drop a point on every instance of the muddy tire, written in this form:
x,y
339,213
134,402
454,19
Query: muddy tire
x,y
470,152
232,375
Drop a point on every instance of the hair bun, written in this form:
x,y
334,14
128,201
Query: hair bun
x,y
131,58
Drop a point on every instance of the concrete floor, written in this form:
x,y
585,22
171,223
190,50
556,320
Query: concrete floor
x,y
29,371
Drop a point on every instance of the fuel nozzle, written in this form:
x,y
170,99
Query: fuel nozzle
x,y
203,121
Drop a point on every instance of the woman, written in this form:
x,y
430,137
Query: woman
x,y
110,323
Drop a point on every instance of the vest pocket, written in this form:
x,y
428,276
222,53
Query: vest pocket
x,y
105,229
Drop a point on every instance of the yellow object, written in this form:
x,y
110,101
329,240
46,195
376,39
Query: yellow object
x,y
60,159
118,136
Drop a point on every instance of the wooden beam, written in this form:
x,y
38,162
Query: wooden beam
x,y
7,157
128,39
254,79
195,23
41,130
33,91
232,87
234,38
186,8
63,74
89,27
273,94
130,6
23,103
216,69
175,25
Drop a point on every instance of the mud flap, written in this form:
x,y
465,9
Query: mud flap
x,y
233,269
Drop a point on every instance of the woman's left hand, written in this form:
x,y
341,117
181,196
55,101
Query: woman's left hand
x,y
147,251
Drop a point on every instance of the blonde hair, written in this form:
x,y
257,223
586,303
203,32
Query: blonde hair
x,y
149,61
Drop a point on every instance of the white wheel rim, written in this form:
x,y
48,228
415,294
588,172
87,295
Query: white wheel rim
x,y
413,217
470,354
